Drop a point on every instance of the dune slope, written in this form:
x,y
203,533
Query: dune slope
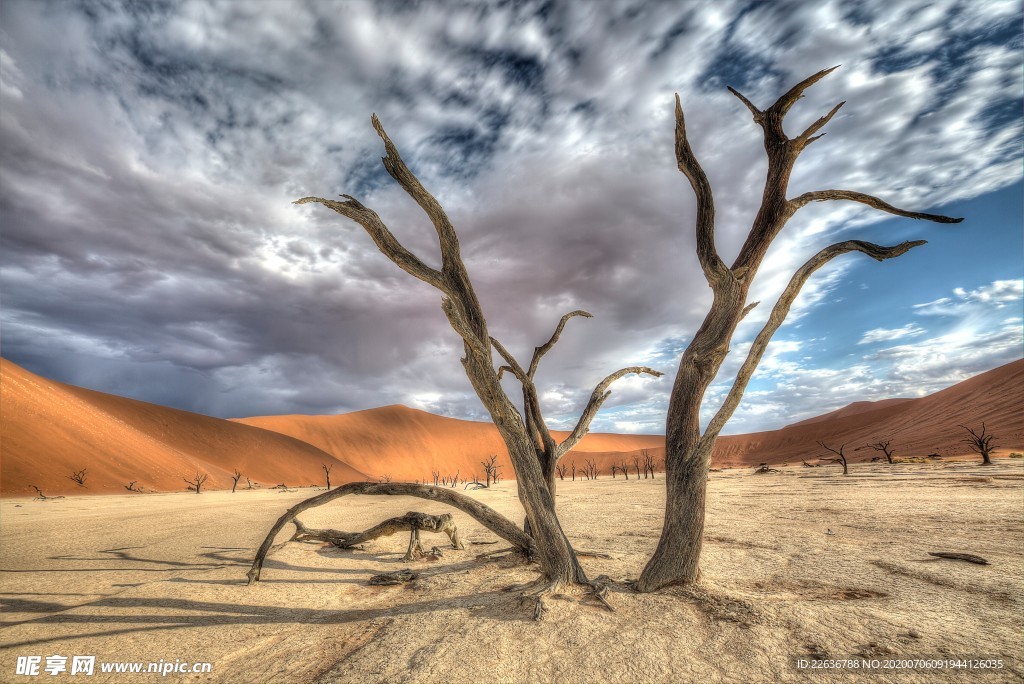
x,y
48,430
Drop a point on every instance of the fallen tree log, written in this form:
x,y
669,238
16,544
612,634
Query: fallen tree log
x,y
485,515
412,522
951,555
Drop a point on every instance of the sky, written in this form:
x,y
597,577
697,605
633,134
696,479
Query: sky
x,y
151,152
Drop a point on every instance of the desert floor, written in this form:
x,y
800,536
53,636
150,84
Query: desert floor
x,y
797,564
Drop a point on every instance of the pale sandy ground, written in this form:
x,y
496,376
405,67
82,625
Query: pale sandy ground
x,y
151,577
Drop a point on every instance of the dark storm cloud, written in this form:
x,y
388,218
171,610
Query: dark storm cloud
x,y
150,156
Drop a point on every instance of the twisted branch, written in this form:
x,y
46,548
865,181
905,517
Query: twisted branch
x,y
871,201
781,310
712,265
483,514
597,398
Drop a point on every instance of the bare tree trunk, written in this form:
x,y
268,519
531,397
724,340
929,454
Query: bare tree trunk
x,y
688,452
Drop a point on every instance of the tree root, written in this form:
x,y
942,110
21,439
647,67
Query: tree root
x,y
485,515
538,590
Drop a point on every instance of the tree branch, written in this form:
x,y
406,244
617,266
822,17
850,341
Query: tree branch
x,y
485,515
781,310
386,242
712,265
451,263
535,425
597,398
784,103
871,201
540,351
807,137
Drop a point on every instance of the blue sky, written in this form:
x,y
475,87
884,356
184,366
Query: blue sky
x,y
150,156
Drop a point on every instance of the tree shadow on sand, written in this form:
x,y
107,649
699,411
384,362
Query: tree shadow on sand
x,y
190,614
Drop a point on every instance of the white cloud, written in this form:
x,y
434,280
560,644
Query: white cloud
x,y
886,335
996,295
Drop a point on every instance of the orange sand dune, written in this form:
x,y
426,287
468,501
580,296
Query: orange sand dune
x,y
48,430
408,444
917,427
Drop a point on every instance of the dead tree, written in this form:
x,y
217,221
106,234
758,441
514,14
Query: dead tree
x,y
591,470
980,443
636,466
885,446
491,468
78,477
250,483
385,478
464,312
327,473
234,480
764,469
573,471
131,487
838,458
560,469
196,483
648,463
615,469
436,475
688,451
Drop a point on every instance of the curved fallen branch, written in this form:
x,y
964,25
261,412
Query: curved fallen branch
x,y
412,522
485,515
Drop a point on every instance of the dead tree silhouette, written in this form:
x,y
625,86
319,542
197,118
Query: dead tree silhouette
x,y
687,450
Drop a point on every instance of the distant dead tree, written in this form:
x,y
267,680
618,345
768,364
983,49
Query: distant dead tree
x,y
436,474
885,446
764,468
196,483
687,450
615,469
980,443
491,468
560,469
385,478
234,480
636,466
327,472
132,488
573,471
250,483
78,477
591,470
648,463
838,458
